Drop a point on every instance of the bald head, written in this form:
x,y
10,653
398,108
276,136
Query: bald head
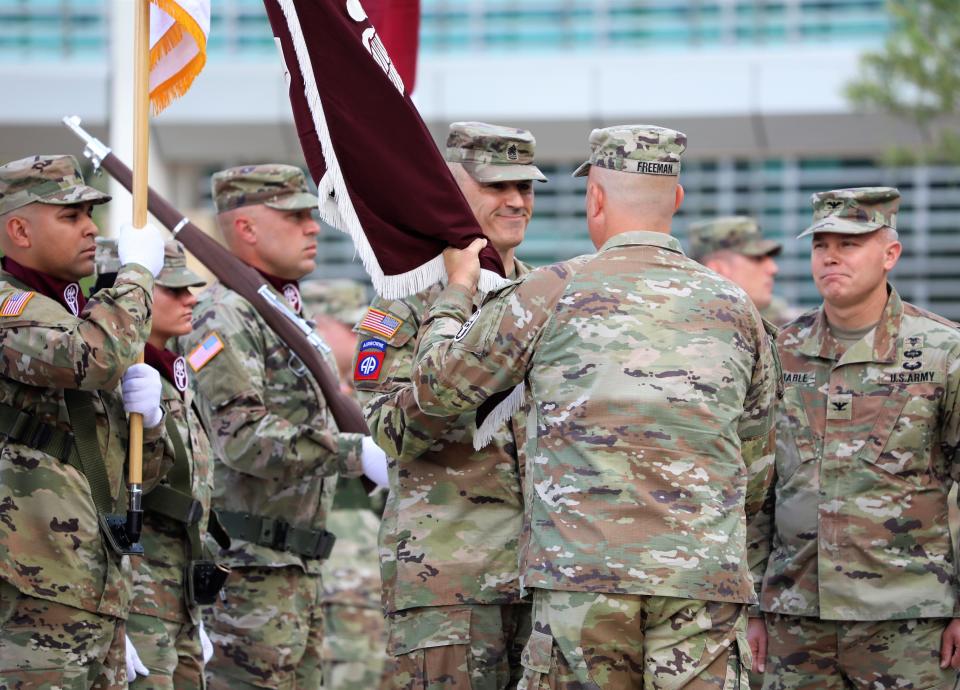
x,y
619,202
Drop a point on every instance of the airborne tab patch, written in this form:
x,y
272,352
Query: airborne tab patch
x,y
204,352
16,303
380,322
370,360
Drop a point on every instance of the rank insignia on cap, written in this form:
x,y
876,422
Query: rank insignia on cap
x,y
16,303
370,360
380,322
204,352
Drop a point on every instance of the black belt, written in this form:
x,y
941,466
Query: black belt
x,y
278,534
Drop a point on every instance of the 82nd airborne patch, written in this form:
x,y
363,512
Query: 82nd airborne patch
x,y
370,360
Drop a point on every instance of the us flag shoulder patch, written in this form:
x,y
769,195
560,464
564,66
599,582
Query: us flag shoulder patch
x,y
204,352
380,322
16,303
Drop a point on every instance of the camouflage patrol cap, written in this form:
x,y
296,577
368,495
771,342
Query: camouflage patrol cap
x,y
282,187
645,149
47,180
740,234
854,211
490,153
106,259
344,300
173,275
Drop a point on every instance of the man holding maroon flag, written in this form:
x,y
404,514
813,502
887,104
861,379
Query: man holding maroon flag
x,y
453,518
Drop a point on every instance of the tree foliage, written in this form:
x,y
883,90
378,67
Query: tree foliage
x,y
916,76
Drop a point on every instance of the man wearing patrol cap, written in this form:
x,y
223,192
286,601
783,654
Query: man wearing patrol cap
x,y
449,537
650,383
860,589
165,627
278,447
733,247
68,377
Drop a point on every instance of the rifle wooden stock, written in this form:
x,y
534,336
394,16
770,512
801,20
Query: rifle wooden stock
x,y
245,280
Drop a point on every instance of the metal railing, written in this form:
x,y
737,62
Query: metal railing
x,y
56,29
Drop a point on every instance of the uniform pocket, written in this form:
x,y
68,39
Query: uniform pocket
x,y
432,627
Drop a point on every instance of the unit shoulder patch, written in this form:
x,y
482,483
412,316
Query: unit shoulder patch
x,y
370,360
205,351
380,322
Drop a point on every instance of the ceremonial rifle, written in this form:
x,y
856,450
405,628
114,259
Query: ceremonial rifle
x,y
242,279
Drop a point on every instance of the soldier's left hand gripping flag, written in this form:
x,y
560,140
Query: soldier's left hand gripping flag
x,y
178,47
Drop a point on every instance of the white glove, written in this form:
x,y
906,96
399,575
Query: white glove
x,y
142,246
134,665
374,462
205,644
141,393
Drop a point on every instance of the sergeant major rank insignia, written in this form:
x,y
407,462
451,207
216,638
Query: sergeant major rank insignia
x,y
370,360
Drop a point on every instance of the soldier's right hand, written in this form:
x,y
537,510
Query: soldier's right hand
x,y
142,246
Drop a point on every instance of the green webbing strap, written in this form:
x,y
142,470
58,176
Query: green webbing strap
x,y
84,423
278,534
26,429
176,500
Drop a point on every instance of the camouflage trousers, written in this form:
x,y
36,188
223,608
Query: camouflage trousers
x,y
809,653
267,630
470,647
589,641
170,651
45,645
354,647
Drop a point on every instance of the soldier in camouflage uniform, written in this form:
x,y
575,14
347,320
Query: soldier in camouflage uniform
x,y
163,626
354,636
64,594
448,541
733,247
861,586
277,447
651,383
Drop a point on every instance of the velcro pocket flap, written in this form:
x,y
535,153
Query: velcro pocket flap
x,y
430,627
537,652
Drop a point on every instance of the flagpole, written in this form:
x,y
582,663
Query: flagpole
x,y
141,147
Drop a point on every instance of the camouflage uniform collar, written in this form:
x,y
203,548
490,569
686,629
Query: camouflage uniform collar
x,y
520,269
655,239
822,344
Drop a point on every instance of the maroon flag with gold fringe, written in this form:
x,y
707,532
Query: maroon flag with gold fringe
x,y
379,175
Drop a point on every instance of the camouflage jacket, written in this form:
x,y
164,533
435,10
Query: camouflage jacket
x,y
277,447
453,516
866,455
652,384
351,576
50,544
158,576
